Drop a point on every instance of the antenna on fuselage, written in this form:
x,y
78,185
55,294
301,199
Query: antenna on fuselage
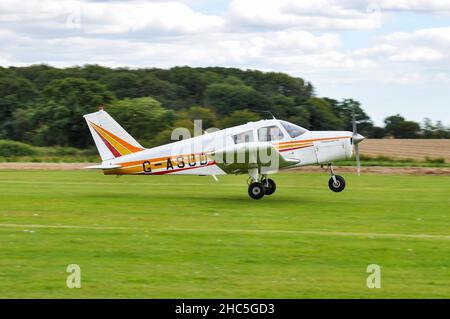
x,y
266,111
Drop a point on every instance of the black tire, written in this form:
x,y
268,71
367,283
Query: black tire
x,y
272,186
339,186
256,190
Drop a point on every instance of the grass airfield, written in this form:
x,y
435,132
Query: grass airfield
x,y
191,237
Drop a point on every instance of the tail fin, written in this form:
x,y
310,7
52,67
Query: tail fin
x,y
110,138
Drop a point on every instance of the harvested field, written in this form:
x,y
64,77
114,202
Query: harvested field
x,y
417,149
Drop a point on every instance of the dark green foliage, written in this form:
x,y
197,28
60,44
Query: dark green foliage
x,y
431,130
377,132
142,117
12,148
206,115
322,116
14,92
398,127
239,117
226,98
345,111
43,105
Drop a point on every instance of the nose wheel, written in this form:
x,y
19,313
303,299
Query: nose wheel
x,y
336,182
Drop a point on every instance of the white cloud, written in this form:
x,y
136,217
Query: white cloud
x,y
318,14
109,17
427,6
420,48
267,35
404,78
418,55
151,16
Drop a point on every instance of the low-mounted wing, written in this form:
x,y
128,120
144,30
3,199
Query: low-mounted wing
x,y
239,158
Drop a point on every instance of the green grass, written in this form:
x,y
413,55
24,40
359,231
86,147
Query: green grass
x,y
395,162
190,237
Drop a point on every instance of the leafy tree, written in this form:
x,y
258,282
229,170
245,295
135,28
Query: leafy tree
x,y
40,75
43,105
207,116
377,132
13,148
143,118
431,130
43,124
283,106
191,79
322,116
408,129
163,91
226,98
123,84
14,93
80,96
398,127
301,117
345,110
239,117
441,130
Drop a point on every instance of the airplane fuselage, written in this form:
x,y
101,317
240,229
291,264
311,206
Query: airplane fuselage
x,y
193,155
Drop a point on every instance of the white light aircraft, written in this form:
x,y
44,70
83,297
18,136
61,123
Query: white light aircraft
x,y
258,149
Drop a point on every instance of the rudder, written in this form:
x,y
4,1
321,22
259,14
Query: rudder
x,y
111,139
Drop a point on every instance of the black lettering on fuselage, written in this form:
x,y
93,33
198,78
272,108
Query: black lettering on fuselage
x,y
180,162
169,164
194,161
147,167
203,159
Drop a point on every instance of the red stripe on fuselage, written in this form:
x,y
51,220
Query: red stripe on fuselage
x,y
293,148
178,170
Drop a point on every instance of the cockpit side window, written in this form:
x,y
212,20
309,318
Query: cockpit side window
x,y
270,133
292,129
244,137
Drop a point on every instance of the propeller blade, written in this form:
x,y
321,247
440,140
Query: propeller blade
x,y
356,138
358,163
354,123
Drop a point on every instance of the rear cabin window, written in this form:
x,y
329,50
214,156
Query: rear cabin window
x,y
292,129
244,137
270,133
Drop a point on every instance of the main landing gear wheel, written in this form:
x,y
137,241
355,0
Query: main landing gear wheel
x,y
336,184
269,185
256,190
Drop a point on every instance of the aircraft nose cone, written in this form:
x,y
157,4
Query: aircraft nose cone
x,y
357,138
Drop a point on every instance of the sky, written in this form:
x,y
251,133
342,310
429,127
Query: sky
x,y
392,56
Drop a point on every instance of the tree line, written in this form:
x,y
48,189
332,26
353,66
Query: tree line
x,y
43,105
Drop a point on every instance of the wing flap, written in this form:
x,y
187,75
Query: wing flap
x,y
242,157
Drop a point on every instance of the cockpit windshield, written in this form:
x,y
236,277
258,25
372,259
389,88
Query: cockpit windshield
x,y
292,129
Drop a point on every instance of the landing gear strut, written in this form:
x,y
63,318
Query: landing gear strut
x,y
260,185
336,182
269,185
